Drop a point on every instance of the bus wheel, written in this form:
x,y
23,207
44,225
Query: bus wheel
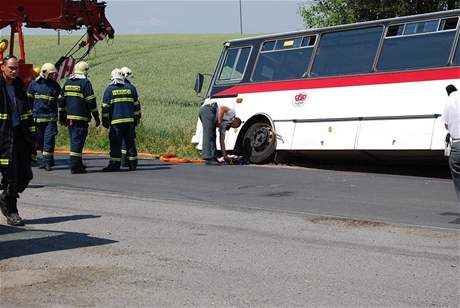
x,y
259,143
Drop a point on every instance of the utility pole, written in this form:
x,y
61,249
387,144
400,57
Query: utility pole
x,y
241,20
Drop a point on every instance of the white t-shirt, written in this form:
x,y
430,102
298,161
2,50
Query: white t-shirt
x,y
451,114
229,115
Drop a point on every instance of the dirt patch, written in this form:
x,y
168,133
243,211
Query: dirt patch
x,y
346,222
51,285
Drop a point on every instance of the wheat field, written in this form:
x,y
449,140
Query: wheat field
x,y
164,69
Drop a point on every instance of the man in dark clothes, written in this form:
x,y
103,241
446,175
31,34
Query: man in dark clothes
x,y
17,140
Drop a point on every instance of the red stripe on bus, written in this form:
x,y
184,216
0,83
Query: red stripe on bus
x,y
365,80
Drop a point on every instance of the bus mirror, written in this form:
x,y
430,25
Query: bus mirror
x,y
199,82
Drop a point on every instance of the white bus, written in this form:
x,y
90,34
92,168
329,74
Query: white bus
x,y
375,87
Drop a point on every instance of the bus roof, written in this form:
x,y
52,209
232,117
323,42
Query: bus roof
x,y
403,19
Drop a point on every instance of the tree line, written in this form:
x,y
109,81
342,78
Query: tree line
x,y
325,13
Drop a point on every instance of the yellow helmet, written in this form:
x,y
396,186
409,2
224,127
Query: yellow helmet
x,y
81,68
47,69
36,71
127,72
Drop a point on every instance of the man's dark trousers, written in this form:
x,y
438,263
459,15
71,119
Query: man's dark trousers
x,y
454,163
78,132
18,174
119,133
208,121
46,134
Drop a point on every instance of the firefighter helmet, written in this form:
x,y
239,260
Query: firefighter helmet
x,y
127,72
47,69
81,68
117,74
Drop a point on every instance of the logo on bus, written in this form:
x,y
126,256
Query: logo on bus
x,y
299,100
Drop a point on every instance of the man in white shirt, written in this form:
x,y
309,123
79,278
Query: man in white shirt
x,y
451,118
212,116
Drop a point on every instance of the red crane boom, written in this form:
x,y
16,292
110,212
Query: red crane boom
x,y
53,14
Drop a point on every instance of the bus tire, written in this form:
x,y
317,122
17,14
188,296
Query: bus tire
x,y
259,143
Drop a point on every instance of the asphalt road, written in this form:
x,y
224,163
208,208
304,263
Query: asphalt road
x,y
392,195
232,236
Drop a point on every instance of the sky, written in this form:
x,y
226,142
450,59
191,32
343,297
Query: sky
x,y
208,16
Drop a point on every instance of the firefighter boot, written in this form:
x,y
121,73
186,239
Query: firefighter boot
x,y
11,211
112,167
132,165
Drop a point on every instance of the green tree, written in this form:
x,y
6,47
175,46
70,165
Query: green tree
x,y
324,13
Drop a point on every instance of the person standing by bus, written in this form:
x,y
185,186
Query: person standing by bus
x,y
451,117
76,106
120,114
43,94
17,148
212,116
128,74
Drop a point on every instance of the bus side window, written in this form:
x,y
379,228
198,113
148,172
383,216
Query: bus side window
x,y
288,59
457,54
421,44
235,64
347,52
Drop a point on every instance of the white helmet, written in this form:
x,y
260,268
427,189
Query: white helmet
x,y
47,69
117,74
127,72
81,68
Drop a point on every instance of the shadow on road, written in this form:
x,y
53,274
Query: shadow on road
x,y
439,169
57,219
455,221
17,242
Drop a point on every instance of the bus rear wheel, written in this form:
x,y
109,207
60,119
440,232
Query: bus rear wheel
x,y
259,143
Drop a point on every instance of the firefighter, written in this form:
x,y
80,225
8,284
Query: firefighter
x,y
76,106
127,74
120,113
44,93
17,147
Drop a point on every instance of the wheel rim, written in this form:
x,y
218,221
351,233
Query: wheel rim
x,y
263,137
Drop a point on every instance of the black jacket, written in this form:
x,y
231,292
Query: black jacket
x,y
25,115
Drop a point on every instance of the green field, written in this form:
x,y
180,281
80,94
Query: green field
x,y
164,68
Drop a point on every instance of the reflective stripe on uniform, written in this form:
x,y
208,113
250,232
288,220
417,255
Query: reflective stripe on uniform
x,y
124,151
3,116
61,109
122,99
123,120
44,120
79,118
93,110
115,159
133,158
105,115
75,154
4,162
32,129
45,97
137,112
47,154
73,94
104,105
88,98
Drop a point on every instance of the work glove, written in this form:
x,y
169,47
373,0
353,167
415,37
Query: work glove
x,y
105,122
97,120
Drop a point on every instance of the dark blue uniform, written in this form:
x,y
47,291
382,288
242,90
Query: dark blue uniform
x,y
121,111
124,152
44,94
76,106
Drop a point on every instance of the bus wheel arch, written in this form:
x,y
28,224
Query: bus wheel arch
x,y
257,140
